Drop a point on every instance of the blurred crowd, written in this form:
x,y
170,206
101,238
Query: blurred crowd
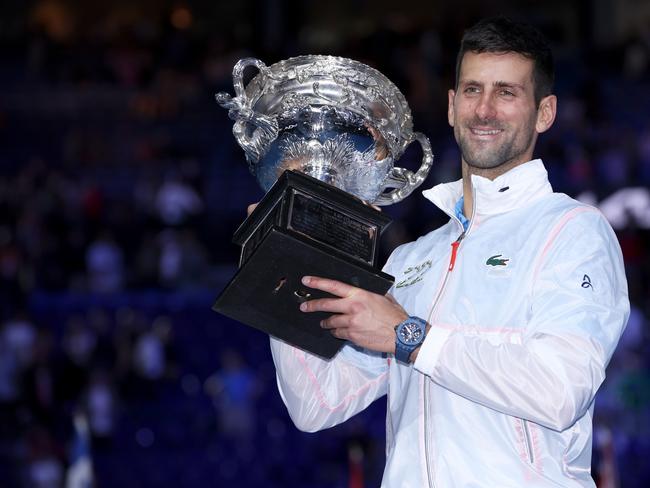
x,y
91,366
119,175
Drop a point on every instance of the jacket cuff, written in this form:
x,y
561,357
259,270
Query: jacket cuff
x,y
430,349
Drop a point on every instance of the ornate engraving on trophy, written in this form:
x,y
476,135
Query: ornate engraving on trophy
x,y
305,104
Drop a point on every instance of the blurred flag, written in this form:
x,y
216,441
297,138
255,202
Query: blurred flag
x,y
607,472
355,465
80,472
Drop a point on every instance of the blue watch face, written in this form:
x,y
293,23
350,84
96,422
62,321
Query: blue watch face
x,y
410,333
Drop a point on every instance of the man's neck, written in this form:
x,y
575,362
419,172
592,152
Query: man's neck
x,y
489,173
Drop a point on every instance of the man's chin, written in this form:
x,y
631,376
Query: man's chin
x,y
483,162
481,157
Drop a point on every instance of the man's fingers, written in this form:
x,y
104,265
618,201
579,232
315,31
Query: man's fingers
x,y
337,325
334,287
250,208
340,333
334,322
332,305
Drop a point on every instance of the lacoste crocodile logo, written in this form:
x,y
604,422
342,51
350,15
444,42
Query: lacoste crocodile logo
x,y
497,260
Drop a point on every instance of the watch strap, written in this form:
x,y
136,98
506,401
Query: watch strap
x,y
403,351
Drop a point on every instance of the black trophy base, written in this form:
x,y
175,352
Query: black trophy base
x,y
301,227
266,291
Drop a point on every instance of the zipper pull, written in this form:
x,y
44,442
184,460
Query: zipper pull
x,y
454,251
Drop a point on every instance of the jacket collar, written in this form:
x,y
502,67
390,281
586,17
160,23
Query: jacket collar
x,y
515,189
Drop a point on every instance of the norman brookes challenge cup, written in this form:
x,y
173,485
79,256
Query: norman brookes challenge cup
x,y
321,135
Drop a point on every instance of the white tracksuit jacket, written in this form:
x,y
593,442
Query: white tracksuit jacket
x,y
522,328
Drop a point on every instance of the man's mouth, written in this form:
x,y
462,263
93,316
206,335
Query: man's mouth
x,y
485,132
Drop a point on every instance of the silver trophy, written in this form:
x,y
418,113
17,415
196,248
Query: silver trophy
x,y
321,135
335,119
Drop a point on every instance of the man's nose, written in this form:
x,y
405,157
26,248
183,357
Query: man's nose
x,y
486,109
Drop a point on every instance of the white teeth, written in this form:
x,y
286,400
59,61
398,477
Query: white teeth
x,y
485,132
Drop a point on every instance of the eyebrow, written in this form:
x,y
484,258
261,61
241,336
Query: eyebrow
x,y
497,84
506,84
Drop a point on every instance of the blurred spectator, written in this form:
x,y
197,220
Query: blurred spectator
x,y
105,265
44,466
100,405
153,358
183,260
176,201
149,356
20,335
233,390
170,265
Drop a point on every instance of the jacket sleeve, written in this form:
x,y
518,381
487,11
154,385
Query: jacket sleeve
x,y
321,393
579,310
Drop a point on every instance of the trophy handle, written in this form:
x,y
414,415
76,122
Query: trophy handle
x,y
404,181
253,131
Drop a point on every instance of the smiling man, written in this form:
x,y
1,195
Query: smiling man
x,y
492,355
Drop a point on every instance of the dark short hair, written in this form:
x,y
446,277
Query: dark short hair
x,y
503,35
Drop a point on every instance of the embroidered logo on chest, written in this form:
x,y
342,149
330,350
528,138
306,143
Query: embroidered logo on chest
x,y
497,260
498,265
414,274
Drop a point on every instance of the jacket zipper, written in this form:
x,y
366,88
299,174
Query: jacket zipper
x,y
528,442
452,263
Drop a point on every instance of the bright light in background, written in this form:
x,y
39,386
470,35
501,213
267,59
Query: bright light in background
x,y
181,17
627,205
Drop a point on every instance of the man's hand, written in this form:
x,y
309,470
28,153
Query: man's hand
x,y
362,317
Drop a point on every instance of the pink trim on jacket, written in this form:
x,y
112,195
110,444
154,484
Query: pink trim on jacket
x,y
319,392
555,232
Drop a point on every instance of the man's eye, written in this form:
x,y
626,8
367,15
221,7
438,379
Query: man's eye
x,y
507,93
471,89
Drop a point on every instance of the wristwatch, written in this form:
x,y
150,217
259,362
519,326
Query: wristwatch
x,y
408,337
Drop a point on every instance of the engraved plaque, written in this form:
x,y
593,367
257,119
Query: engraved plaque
x,y
321,221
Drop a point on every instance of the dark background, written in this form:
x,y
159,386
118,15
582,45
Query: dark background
x,y
121,185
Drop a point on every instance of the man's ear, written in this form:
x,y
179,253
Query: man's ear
x,y
546,113
450,107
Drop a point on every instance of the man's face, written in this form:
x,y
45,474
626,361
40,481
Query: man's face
x,y
493,110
